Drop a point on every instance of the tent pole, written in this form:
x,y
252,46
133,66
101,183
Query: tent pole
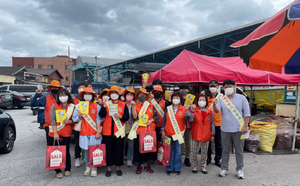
x,y
296,116
251,101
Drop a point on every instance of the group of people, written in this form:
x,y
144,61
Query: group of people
x,y
191,128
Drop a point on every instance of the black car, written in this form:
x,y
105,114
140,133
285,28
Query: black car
x,y
7,132
11,99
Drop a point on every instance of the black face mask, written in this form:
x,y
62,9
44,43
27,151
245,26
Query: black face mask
x,y
142,98
184,92
54,91
156,95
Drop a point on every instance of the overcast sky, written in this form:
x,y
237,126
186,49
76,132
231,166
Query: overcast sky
x,y
117,28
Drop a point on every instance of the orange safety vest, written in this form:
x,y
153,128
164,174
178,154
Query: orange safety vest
x,y
201,131
76,100
180,114
67,130
149,111
217,117
86,129
106,131
162,104
50,101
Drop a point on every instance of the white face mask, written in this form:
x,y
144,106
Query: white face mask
x,y
202,103
114,96
213,89
87,97
63,99
105,97
176,101
229,91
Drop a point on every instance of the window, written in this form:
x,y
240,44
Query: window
x,y
3,88
20,65
22,88
67,67
67,78
31,66
50,66
40,66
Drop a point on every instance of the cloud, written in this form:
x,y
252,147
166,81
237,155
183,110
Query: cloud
x,y
117,29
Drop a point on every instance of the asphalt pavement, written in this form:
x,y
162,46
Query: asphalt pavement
x,y
25,165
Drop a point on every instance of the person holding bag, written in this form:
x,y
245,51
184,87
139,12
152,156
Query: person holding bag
x,y
90,133
174,124
62,125
116,114
142,107
203,130
129,95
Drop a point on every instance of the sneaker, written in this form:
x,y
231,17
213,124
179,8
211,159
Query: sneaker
x,y
223,173
240,174
129,163
204,171
87,171
77,162
67,173
148,169
94,172
139,169
195,171
59,175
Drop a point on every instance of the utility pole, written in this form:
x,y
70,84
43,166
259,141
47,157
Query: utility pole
x,y
96,71
87,72
69,68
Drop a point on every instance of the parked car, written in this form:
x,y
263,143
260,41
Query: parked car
x,y
7,132
11,99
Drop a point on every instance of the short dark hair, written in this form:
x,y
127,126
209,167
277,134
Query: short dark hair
x,y
66,92
197,99
228,82
157,81
177,94
82,84
184,86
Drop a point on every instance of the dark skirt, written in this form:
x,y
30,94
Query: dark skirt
x,y
140,158
114,150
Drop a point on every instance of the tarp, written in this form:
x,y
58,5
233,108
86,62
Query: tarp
x,y
189,67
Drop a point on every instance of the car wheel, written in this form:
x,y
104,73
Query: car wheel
x,y
9,140
10,106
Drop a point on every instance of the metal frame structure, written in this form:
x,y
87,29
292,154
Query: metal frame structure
x,y
217,45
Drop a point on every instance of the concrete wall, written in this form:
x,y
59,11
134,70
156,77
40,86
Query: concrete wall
x,y
7,79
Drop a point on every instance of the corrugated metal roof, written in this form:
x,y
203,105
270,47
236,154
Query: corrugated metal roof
x,y
101,61
9,71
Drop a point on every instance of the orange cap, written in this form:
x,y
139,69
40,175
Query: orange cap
x,y
103,91
129,90
122,91
159,89
88,90
114,88
54,83
144,91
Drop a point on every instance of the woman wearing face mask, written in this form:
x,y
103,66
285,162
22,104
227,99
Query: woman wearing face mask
x,y
203,130
181,116
114,130
129,95
142,95
89,134
103,96
63,134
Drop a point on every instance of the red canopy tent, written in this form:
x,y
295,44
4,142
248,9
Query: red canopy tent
x,y
189,67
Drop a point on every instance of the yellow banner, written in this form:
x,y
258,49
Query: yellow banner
x,y
158,108
66,116
189,99
143,118
132,135
178,135
60,116
167,94
84,107
233,110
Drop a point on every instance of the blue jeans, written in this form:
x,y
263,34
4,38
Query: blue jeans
x,y
129,147
175,158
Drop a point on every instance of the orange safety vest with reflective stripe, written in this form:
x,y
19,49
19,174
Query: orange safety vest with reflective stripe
x,y
180,115
201,131
162,104
217,117
86,129
149,111
50,101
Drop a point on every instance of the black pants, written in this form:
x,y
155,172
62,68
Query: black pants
x,y
65,141
140,158
48,137
77,147
114,150
158,134
218,146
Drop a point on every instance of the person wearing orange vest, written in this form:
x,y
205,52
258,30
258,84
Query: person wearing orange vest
x,y
77,99
158,93
63,135
203,130
213,88
142,95
114,143
182,116
46,102
129,95
89,135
